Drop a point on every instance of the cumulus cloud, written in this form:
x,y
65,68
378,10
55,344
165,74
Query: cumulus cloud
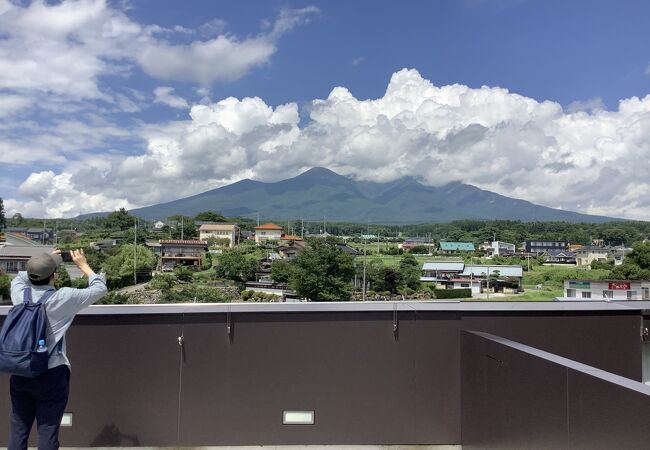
x,y
589,161
64,48
165,95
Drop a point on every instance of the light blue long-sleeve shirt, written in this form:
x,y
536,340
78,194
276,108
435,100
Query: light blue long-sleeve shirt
x,y
60,309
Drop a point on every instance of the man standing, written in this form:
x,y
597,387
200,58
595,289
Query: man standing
x,y
44,398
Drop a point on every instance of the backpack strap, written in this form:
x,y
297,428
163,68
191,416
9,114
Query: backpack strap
x,y
27,298
27,295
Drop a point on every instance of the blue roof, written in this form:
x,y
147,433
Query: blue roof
x,y
458,246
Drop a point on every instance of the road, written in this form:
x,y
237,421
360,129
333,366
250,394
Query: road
x,y
13,239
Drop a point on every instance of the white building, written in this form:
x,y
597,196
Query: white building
x,y
606,290
268,232
499,248
220,231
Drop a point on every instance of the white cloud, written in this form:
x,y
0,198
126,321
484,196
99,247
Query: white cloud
x,y
587,161
589,105
64,48
13,104
165,95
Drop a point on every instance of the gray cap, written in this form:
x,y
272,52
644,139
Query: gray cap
x,y
41,267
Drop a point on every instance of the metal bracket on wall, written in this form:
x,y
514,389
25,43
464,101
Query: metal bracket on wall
x,y
395,322
228,323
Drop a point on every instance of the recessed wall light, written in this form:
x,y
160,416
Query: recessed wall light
x,y
66,420
298,417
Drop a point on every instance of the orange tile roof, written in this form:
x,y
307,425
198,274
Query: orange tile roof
x,y
291,237
268,226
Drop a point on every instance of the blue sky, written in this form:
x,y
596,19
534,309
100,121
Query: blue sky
x,y
129,103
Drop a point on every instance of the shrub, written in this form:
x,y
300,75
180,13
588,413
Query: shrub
x,y
192,292
5,286
79,283
162,281
451,293
114,298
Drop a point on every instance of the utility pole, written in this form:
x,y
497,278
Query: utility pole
x,y
135,252
364,271
324,227
258,219
488,283
182,226
302,228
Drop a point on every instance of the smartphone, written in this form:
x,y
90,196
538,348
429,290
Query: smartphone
x,y
66,256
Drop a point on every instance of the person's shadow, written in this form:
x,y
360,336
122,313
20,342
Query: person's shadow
x,y
110,436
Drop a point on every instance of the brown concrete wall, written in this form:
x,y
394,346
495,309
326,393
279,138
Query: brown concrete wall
x,y
514,398
607,341
133,385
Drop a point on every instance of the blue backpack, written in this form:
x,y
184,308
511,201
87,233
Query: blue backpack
x,y
24,327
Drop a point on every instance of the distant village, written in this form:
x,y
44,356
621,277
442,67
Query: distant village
x,y
462,269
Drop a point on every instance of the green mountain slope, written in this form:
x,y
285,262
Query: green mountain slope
x,y
320,192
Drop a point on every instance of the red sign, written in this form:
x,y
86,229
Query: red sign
x,y
619,285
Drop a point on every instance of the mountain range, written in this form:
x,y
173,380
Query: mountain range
x,y
319,193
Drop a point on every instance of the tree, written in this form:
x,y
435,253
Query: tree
x,y
206,263
5,286
17,219
64,278
120,220
119,267
3,221
234,265
209,216
409,272
640,255
281,271
185,228
183,273
322,272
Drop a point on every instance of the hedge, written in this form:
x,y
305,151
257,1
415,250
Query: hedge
x,y
451,293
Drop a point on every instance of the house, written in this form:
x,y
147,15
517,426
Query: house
x,y
219,230
289,249
455,247
44,235
345,248
268,232
158,226
441,270
619,253
606,290
104,244
409,244
536,247
590,253
558,257
457,274
500,248
176,251
13,258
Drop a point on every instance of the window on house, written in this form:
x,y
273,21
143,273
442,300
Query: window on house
x,y
608,294
586,295
631,295
645,292
570,292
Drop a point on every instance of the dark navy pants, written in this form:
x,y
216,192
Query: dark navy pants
x,y
42,398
